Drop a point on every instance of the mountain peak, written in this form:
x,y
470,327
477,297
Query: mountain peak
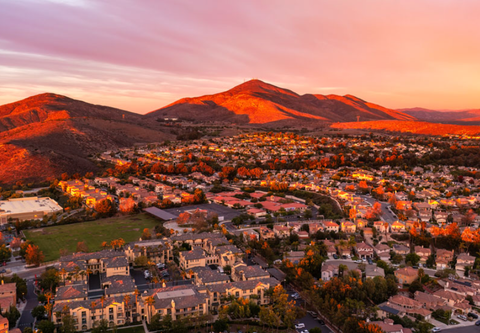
x,y
258,102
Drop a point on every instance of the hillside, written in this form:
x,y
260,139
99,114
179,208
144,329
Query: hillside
x,y
257,102
471,117
416,127
46,135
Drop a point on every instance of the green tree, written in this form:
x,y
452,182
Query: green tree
x,y
39,312
68,324
50,279
412,258
12,315
46,326
5,253
101,326
220,325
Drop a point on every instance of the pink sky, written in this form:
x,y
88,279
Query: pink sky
x,y
140,55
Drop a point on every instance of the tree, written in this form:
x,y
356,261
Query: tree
x,y
33,255
46,326
146,234
141,261
5,253
412,258
220,325
127,205
50,279
39,312
68,324
105,208
82,247
101,326
12,315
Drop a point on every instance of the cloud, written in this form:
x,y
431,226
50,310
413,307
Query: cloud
x,y
143,54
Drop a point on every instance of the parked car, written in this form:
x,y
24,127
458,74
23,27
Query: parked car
x,y
436,329
473,315
335,256
462,317
313,314
477,323
321,322
299,325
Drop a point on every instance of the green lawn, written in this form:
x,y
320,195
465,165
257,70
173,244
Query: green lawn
x,y
135,329
52,239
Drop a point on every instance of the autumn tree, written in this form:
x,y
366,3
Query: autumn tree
x,y
33,255
105,208
127,205
146,234
82,247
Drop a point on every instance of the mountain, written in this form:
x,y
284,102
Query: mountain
x,y
413,127
470,117
46,135
257,102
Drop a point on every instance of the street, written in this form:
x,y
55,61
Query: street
x,y
26,320
465,329
387,215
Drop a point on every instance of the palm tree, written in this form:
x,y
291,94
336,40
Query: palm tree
x,y
150,301
88,271
63,273
155,280
93,305
102,300
49,308
76,273
126,300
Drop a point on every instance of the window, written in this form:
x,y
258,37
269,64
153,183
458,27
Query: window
x,y
84,314
110,310
111,317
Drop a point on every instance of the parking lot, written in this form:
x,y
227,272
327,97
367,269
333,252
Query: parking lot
x,y
308,320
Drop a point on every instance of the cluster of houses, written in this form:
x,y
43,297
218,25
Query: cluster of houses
x,y
122,301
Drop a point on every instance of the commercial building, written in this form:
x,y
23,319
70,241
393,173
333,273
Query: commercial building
x,y
32,208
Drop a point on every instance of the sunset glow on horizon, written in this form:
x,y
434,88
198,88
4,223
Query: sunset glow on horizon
x,y
142,55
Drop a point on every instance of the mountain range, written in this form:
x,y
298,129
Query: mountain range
x,y
465,117
46,135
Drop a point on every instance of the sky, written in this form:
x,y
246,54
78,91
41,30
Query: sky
x,y
140,55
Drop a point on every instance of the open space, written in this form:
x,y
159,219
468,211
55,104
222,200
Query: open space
x,y
52,239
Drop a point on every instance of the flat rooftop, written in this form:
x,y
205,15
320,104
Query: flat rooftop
x,y
29,205
175,293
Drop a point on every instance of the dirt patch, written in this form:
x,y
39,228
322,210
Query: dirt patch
x,y
37,230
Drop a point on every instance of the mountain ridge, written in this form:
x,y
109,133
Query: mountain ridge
x,y
257,102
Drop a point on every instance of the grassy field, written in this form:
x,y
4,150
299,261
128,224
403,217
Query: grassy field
x,y
52,239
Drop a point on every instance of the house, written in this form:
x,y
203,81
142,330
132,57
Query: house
x,y
348,227
382,251
401,249
363,250
464,260
281,231
372,271
8,294
156,250
429,301
242,272
406,275
380,226
398,227
423,253
331,226
177,301
194,258
329,271
404,302
443,259
294,256
266,233
388,326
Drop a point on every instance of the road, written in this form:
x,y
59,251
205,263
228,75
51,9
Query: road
x,y
465,329
387,215
26,320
